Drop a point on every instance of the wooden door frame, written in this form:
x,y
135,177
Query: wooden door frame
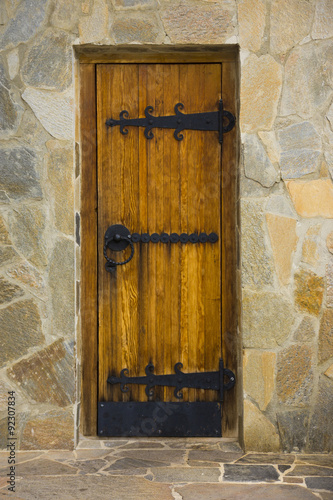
x,y
231,345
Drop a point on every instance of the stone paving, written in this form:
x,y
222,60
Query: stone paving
x,y
168,469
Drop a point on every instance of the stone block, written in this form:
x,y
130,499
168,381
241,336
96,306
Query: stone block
x,y
140,28
251,21
7,255
257,165
281,205
48,63
186,474
267,319
51,368
308,79
293,429
300,150
24,24
27,225
35,135
321,424
282,233
305,331
310,249
10,111
271,144
65,15
257,263
50,430
294,379
21,329
259,376
199,22
9,291
323,21
18,175
259,433
325,347
261,84
329,372
61,177
28,275
62,285
94,28
329,242
309,291
54,110
291,21
312,198
253,473
320,483
329,284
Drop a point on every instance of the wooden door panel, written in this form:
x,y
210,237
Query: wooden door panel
x,y
164,306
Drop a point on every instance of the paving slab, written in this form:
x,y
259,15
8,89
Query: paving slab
x,y
267,458
186,475
243,473
244,492
310,470
166,456
137,445
42,467
316,459
213,456
89,466
319,483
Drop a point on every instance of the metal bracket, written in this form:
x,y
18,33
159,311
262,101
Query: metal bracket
x,y
212,120
179,380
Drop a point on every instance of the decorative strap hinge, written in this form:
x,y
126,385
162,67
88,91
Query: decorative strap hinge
x,y
179,380
212,120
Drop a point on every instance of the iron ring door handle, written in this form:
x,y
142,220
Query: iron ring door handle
x,y
117,238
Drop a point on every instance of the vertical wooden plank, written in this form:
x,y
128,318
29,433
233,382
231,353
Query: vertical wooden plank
x,y
88,302
229,287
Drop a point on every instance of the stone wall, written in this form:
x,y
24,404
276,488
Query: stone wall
x,y
286,50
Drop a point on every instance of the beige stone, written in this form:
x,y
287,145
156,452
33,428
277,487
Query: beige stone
x,y
290,22
51,430
9,291
305,331
294,379
310,249
329,242
309,291
251,20
312,198
282,233
198,22
137,28
65,14
261,83
271,144
323,21
325,347
94,28
13,61
259,376
54,110
60,174
259,433
329,372
4,236
28,275
329,284
267,319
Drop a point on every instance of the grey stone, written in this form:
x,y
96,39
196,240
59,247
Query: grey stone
x,y
4,198
213,455
257,165
255,473
65,14
27,225
300,150
10,111
88,466
319,483
293,427
140,28
308,79
24,25
267,458
134,3
21,328
62,282
283,468
321,424
86,487
44,467
257,263
310,470
48,63
280,205
244,492
9,291
7,255
186,474
51,367
129,464
170,456
305,331
267,319
250,188
18,175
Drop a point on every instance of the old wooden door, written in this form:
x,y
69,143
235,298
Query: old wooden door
x,y
164,306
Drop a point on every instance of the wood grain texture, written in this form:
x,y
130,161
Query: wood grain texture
x,y
88,302
164,306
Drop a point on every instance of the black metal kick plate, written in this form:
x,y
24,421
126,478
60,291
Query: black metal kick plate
x,y
153,419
